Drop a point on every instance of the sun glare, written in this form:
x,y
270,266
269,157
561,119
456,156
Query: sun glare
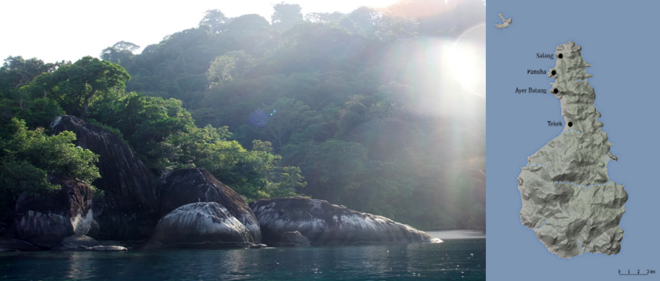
x,y
467,60
449,73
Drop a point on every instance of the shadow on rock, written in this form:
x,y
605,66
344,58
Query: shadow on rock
x,y
129,208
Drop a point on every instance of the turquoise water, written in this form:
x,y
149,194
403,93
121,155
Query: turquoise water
x,y
455,259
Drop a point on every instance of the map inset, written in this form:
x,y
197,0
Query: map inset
x,y
568,198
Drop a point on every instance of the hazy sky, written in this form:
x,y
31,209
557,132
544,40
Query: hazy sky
x,y
71,29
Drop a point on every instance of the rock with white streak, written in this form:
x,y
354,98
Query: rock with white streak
x,y
112,248
185,186
327,224
46,220
200,225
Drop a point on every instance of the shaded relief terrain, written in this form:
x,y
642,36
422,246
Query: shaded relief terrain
x,y
568,198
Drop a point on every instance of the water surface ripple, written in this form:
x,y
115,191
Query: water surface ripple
x,y
457,259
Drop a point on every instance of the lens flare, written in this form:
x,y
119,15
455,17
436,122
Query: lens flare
x,y
468,60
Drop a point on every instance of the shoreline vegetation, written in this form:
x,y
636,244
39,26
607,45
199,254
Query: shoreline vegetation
x,y
306,109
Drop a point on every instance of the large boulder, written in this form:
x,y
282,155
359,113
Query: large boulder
x,y
110,248
327,224
204,224
16,245
46,220
292,239
86,243
75,241
128,211
187,186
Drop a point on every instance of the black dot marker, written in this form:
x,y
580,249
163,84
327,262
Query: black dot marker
x,y
560,56
554,73
570,124
555,90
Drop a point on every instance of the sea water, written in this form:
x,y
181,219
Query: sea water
x,y
454,259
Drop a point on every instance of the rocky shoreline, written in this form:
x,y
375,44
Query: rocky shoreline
x,y
186,208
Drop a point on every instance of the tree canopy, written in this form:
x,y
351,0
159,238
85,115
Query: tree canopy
x,y
286,15
74,86
330,105
215,20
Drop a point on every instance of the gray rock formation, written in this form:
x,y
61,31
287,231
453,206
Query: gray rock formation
x,y
94,230
292,239
129,209
204,224
187,186
75,241
113,248
46,220
326,224
16,245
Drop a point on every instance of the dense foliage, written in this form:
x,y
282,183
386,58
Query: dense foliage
x,y
334,99
29,156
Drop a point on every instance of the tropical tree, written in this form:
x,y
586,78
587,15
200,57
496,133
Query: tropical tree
x,y
286,116
121,51
396,28
286,15
228,67
28,157
16,71
75,86
333,18
363,20
215,20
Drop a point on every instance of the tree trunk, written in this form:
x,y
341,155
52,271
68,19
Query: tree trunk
x,y
83,110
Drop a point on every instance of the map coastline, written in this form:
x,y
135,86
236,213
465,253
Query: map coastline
x,y
568,199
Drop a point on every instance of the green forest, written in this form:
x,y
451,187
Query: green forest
x,y
330,106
